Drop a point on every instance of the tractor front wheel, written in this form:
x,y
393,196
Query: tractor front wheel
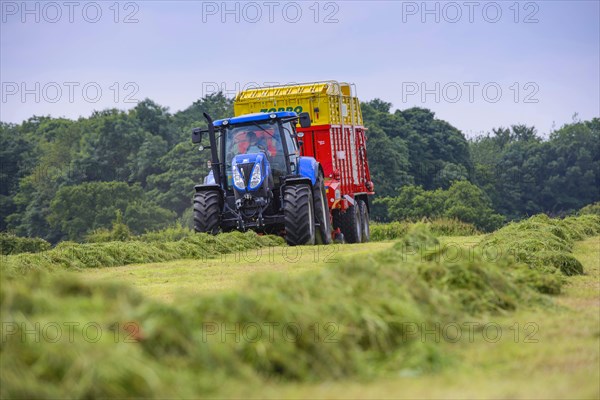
x,y
299,215
207,212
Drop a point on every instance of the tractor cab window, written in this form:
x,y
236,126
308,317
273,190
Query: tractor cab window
x,y
292,146
254,138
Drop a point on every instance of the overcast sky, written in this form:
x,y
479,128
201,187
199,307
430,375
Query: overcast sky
x,y
478,65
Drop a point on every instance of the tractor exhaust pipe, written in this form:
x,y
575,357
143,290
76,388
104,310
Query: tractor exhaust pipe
x,y
214,152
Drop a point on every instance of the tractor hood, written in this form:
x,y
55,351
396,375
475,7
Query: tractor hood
x,y
249,171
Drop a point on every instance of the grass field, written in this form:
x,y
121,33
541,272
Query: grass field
x,y
542,353
559,360
168,280
186,278
417,317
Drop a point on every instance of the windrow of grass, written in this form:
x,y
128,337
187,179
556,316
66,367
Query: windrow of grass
x,y
543,242
438,227
11,244
65,337
71,255
175,243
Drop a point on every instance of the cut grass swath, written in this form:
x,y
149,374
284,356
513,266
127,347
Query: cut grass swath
x,y
356,318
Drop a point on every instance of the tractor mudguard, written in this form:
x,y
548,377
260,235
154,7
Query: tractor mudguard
x,y
203,188
297,180
308,167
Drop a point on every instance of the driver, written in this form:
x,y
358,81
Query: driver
x,y
255,145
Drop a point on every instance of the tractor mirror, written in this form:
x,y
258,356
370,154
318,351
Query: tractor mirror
x,y
197,135
304,120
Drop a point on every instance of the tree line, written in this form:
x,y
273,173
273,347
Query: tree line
x,y
429,169
62,179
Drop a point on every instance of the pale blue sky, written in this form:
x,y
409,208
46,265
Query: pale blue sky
x,y
178,51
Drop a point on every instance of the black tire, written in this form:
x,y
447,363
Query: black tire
x,y
207,212
350,225
299,215
364,221
322,215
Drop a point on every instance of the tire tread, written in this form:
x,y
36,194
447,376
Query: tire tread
x,y
207,212
297,206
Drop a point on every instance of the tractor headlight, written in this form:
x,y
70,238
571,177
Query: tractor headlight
x,y
255,177
238,181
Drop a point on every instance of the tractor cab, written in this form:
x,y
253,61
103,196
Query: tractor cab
x,y
256,139
258,151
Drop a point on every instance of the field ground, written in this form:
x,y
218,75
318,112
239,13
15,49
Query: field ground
x,y
168,280
542,353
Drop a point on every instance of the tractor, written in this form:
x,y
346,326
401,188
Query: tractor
x,y
259,181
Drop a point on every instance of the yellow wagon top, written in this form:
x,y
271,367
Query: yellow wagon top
x,y
325,101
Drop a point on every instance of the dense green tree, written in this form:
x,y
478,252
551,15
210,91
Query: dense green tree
x,y
184,166
112,139
32,203
143,215
571,168
79,209
155,119
16,160
143,162
433,143
448,174
413,203
525,175
468,203
463,201
53,142
437,152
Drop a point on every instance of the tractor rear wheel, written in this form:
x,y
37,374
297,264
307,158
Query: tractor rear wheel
x,y
207,212
322,215
350,224
364,221
299,215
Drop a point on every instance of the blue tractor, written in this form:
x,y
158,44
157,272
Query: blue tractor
x,y
259,181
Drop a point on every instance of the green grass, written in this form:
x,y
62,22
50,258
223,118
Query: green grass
x,y
77,256
542,242
564,363
370,300
438,227
183,279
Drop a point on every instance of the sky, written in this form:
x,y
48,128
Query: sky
x,y
477,65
